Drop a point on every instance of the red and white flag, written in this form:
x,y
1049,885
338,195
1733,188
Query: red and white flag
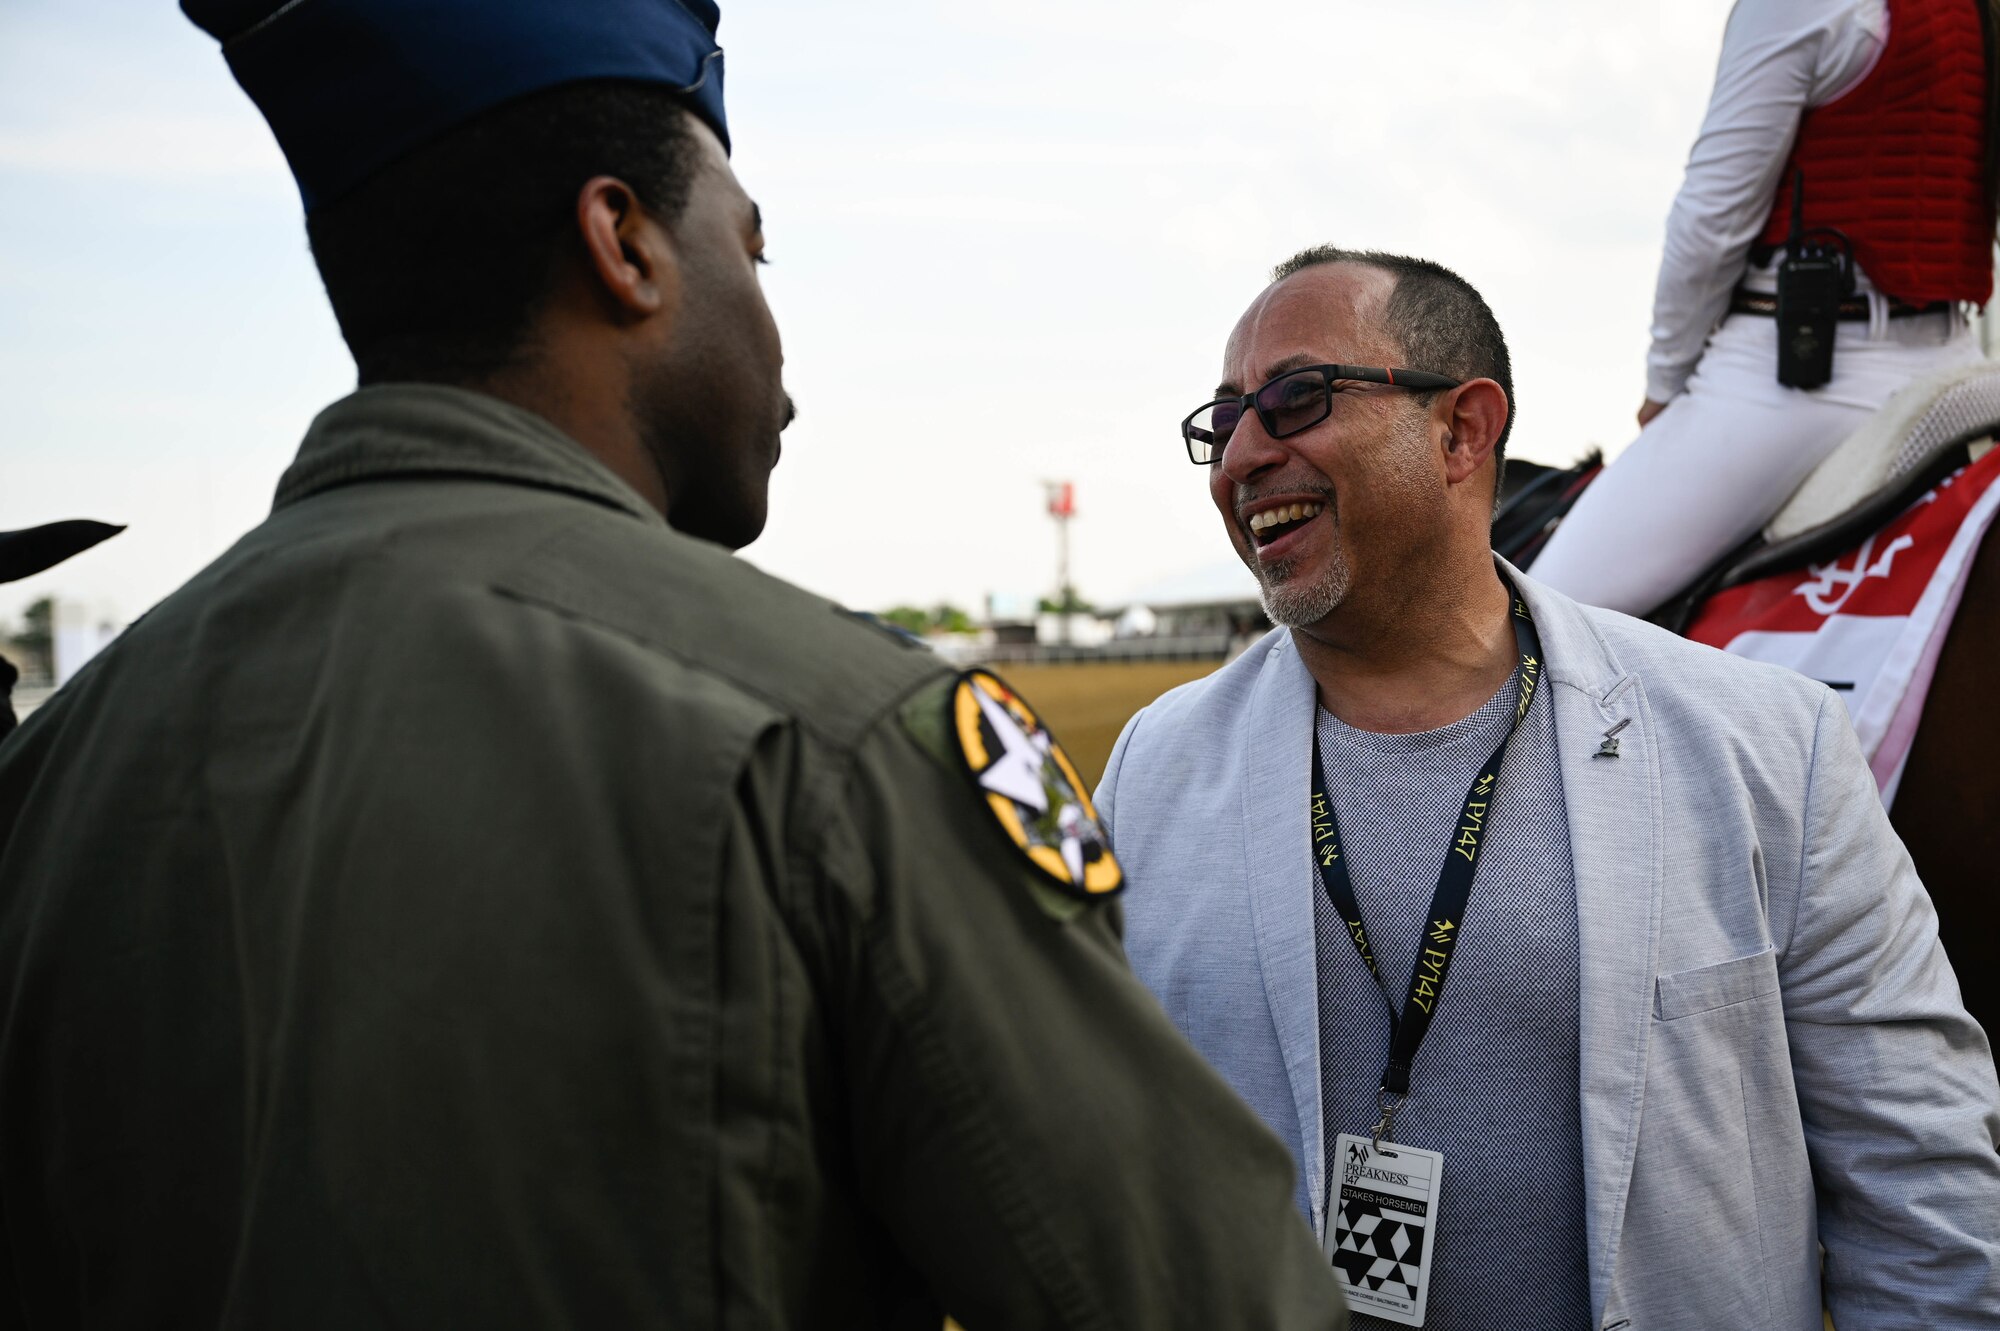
x,y
1870,623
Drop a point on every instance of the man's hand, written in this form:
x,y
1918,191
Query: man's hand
x,y
1648,410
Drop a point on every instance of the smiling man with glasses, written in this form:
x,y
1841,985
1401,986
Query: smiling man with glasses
x,y
1565,954
1290,402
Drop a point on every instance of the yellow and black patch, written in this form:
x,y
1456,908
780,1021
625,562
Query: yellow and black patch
x,y
1031,787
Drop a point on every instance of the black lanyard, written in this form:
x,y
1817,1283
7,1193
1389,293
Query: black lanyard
x,y
1461,860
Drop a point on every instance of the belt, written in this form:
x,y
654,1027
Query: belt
x,y
1852,310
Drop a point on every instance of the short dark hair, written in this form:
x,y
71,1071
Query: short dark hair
x,y
1438,318
437,265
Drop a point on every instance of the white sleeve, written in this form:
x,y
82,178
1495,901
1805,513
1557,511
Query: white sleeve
x,y
1778,58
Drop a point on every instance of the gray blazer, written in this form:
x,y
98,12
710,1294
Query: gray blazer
x,y
1765,1003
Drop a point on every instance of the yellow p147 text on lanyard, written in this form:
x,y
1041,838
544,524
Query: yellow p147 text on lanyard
x,y
1381,1222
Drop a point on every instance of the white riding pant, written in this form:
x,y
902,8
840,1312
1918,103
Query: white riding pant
x,y
1726,454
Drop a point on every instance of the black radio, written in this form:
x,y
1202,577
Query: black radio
x,y
1817,273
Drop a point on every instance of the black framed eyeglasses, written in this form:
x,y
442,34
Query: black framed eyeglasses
x,y
1295,400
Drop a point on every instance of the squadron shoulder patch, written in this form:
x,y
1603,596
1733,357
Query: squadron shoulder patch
x,y
1031,787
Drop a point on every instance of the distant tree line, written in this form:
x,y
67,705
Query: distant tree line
x,y
937,619
1070,604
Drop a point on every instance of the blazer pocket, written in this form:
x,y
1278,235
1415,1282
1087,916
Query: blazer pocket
x,y
1706,988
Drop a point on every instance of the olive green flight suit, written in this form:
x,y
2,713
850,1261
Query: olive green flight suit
x,y
469,903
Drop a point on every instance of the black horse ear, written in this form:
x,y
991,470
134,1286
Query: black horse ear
x,y
23,553
224,19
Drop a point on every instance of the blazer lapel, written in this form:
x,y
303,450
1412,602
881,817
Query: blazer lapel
x,y
1277,854
1616,846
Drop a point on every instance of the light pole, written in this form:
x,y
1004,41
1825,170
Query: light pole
x,y
1062,507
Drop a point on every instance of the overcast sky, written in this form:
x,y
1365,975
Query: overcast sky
x,y
1009,238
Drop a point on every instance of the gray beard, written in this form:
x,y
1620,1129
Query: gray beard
x,y
1294,604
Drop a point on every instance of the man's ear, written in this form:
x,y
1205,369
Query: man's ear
x,y
1475,418
631,256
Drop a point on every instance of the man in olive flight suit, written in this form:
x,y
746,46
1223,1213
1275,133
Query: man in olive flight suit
x,y
479,900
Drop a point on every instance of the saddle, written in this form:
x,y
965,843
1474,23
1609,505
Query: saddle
x,y
1930,428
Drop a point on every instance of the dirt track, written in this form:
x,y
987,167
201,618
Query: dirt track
x,y
1087,705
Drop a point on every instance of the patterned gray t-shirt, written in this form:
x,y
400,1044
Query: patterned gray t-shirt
x,y
1494,1086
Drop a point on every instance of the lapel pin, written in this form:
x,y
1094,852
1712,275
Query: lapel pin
x,y
1609,748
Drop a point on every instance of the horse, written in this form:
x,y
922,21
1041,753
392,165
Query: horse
x,y
24,553
1946,808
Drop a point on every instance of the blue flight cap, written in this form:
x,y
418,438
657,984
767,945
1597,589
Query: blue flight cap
x,y
348,86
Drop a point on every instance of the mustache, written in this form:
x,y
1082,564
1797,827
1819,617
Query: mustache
x,y
1248,499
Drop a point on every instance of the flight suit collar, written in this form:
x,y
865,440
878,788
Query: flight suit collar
x,y
394,430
